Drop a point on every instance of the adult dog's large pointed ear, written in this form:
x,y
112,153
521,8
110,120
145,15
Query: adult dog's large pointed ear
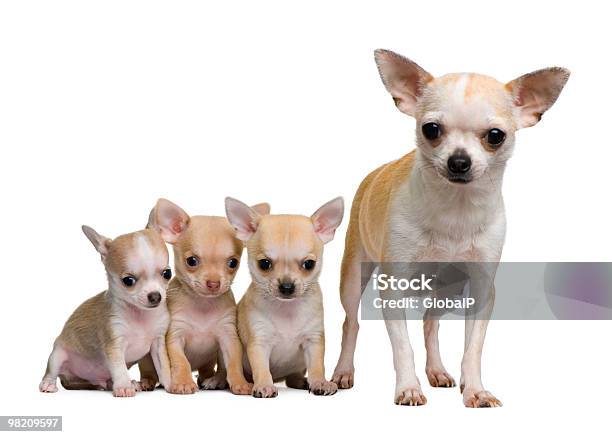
x,y
327,219
403,78
534,93
168,219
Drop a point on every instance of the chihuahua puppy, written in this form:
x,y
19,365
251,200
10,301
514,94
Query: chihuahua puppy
x,y
200,300
440,203
110,332
280,318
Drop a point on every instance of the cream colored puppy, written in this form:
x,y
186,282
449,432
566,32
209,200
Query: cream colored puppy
x,y
200,300
440,203
120,326
280,318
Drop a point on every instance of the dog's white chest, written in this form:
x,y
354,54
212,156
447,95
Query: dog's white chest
x,y
287,328
140,330
287,355
428,232
200,326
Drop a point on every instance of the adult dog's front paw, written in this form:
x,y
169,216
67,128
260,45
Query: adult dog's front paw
x,y
411,396
265,391
480,399
439,378
322,387
344,378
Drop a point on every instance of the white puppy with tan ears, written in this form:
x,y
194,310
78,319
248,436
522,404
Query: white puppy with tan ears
x,y
280,318
440,203
120,326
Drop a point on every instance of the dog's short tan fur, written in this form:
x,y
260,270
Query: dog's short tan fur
x,y
115,329
411,210
282,328
202,307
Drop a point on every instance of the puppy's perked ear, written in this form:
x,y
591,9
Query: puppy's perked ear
x,y
403,78
534,93
168,219
327,219
100,242
243,218
262,208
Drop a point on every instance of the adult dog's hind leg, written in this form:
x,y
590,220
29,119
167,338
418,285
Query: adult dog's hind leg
x,y
435,370
350,294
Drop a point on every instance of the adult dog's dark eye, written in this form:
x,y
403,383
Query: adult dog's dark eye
x,y
495,137
167,274
232,263
431,131
192,261
265,264
309,264
129,280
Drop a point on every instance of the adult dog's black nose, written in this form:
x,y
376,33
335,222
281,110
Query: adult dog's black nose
x,y
154,298
286,288
459,164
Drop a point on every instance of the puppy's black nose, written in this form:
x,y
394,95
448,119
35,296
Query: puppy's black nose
x,y
154,298
286,288
459,163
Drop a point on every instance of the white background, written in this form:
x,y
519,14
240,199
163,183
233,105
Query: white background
x,y
106,106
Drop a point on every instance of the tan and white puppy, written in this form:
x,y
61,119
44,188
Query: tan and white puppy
x,y
442,202
280,318
120,326
200,300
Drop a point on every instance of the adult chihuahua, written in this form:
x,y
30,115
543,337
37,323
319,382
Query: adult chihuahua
x,y
441,202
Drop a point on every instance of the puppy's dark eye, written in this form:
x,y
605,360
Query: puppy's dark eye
x,y
167,274
495,137
265,264
309,264
192,261
129,281
431,131
232,263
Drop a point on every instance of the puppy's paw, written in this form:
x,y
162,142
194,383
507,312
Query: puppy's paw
x,y
265,391
242,388
439,378
344,378
47,386
322,387
215,382
411,396
183,388
124,392
480,399
147,384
